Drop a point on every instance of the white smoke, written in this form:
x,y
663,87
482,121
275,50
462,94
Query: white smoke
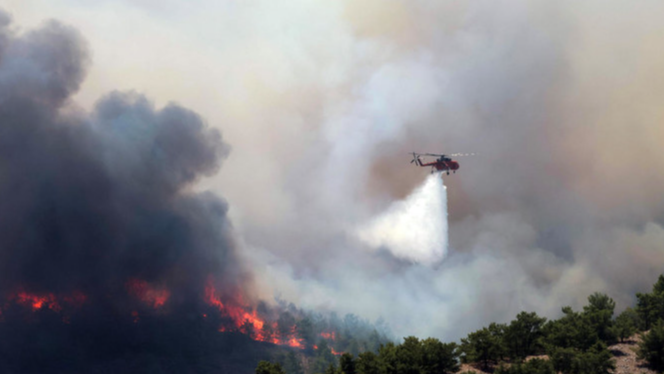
x,y
415,228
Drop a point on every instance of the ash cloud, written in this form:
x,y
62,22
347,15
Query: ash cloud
x,y
96,198
92,201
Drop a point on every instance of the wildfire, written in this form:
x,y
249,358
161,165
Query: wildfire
x,y
47,300
243,318
38,301
248,321
295,342
328,335
332,350
155,297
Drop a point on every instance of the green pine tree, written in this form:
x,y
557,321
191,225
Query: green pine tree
x,y
651,346
625,325
523,334
481,346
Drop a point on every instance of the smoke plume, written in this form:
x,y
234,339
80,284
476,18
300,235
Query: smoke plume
x,y
109,260
322,101
563,102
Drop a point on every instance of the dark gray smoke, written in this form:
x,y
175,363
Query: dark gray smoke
x,y
96,212
95,199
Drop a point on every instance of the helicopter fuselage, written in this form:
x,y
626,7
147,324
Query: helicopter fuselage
x,y
446,164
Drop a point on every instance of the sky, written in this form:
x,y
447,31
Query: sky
x,y
321,102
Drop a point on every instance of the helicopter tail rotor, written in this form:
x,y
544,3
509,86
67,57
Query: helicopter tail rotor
x,y
416,159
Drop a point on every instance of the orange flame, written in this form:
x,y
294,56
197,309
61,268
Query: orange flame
x,y
244,319
38,301
332,350
248,321
47,300
328,335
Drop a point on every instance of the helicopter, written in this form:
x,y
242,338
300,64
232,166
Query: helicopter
x,y
442,163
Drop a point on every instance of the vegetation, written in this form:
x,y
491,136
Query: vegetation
x,y
290,363
266,367
535,366
650,310
483,346
576,343
650,305
324,358
522,337
626,324
651,347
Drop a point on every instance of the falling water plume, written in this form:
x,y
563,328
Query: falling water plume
x,y
415,228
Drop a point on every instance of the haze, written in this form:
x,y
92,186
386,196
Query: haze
x,y
321,102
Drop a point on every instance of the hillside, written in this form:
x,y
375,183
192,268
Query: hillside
x,y
624,356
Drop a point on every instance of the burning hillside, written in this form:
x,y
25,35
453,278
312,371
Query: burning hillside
x,y
109,260
143,299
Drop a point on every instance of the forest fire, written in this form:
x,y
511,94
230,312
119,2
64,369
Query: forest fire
x,y
47,300
38,301
242,318
332,336
247,320
111,256
332,350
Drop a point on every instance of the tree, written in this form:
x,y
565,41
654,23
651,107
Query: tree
x,y
266,367
331,370
599,301
650,305
409,356
290,363
481,346
596,360
373,341
599,314
324,358
388,358
438,357
570,331
347,364
498,331
305,330
522,336
625,324
353,347
286,324
367,363
651,346
563,359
